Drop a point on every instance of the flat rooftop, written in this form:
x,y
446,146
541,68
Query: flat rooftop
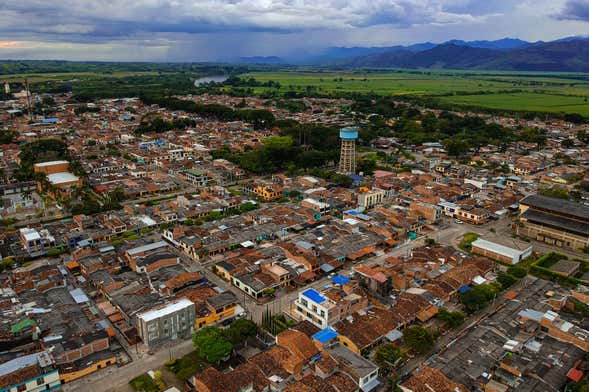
x,y
62,178
167,309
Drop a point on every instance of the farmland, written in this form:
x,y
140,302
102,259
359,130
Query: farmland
x,y
538,92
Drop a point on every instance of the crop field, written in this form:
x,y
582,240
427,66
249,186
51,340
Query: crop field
x,y
525,102
525,91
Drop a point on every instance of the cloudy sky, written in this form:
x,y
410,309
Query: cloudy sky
x,y
201,30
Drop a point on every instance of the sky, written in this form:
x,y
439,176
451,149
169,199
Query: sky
x,y
211,30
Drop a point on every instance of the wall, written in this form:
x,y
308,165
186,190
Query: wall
x,y
71,376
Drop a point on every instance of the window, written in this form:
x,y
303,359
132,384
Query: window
x,y
22,388
40,381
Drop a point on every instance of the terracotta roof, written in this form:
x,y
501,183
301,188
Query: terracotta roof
x,y
19,376
428,379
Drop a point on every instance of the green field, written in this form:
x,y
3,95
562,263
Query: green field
x,y
525,102
525,91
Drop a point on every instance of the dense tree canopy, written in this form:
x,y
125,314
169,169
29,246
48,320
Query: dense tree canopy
x,y
212,344
418,338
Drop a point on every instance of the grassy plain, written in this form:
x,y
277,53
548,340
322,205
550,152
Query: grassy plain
x,y
519,91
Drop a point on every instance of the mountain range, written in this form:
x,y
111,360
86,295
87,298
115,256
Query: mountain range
x,y
567,54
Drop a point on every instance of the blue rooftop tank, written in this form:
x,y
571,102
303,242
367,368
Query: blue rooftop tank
x,y
348,133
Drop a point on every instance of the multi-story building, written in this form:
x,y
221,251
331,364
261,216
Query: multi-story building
x,y
313,307
327,308
371,198
168,322
556,222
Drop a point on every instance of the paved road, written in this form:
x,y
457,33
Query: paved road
x,y
117,378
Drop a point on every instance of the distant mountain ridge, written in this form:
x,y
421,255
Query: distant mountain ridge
x,y
563,55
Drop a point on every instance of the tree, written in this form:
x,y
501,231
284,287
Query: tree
x,y
556,192
517,272
212,343
506,280
478,297
387,356
568,143
240,330
418,338
453,319
456,146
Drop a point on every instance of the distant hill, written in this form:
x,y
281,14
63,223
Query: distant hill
x,y
501,44
261,60
563,55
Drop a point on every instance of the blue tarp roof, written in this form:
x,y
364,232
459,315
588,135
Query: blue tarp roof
x,y
325,335
464,289
314,296
356,177
50,120
340,279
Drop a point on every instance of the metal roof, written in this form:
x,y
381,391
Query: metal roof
x,y
61,178
498,248
561,206
148,247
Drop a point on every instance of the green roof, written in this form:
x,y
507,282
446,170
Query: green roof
x,y
16,328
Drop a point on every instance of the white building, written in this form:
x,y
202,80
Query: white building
x,y
168,322
506,254
313,307
371,198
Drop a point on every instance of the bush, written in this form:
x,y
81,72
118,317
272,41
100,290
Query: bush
x,y
517,272
186,366
506,280
143,383
467,240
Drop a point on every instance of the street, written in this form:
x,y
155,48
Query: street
x,y
117,378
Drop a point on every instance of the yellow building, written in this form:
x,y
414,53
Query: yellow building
x,y
216,309
85,366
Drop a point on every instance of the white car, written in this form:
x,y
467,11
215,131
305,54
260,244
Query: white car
x,y
458,221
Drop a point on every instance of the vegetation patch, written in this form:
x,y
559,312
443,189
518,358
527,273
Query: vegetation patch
x,y
467,240
143,383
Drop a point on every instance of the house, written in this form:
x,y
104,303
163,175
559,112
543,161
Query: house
x,y
428,379
360,369
216,308
32,372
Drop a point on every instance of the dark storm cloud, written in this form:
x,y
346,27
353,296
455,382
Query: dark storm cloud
x,y
575,10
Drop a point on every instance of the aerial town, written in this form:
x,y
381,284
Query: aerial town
x,y
143,248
